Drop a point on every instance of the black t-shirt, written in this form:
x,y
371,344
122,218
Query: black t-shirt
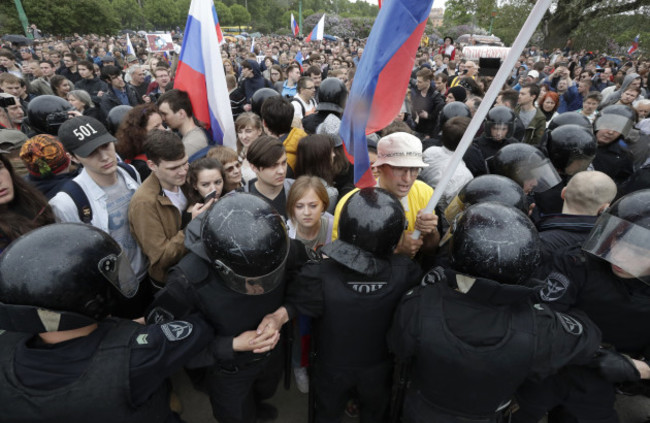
x,y
279,202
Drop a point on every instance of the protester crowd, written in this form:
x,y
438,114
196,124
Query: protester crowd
x,y
90,134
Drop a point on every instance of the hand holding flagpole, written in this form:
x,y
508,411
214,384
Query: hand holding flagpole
x,y
499,80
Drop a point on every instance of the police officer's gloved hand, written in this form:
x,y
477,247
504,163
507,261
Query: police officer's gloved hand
x,y
614,367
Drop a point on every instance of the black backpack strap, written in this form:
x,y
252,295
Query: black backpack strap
x,y
129,169
301,106
80,199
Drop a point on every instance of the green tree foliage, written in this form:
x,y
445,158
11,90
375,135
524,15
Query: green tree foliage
x,y
63,17
223,12
130,14
240,15
163,14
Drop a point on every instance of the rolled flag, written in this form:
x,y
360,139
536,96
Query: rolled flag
x,y
316,34
129,46
253,46
200,73
294,26
220,36
382,78
634,46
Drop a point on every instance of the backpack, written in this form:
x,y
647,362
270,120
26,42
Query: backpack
x,y
80,198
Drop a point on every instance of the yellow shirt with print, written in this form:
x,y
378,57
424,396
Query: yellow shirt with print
x,y
417,199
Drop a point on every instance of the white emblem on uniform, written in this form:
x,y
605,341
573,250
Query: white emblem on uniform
x,y
367,287
556,284
570,324
177,330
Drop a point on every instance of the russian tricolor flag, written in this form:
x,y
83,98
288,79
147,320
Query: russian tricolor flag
x,y
294,26
382,78
129,46
634,46
200,73
316,34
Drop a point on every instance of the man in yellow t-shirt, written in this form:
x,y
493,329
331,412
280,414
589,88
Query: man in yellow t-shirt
x,y
399,160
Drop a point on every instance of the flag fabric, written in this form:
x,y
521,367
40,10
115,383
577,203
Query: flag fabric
x,y
220,36
634,46
316,34
129,46
379,3
253,45
200,73
294,26
382,79
298,58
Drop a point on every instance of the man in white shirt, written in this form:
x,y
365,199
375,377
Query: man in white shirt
x,y
303,102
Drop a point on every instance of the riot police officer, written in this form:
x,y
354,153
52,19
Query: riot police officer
x,y
46,113
474,334
353,293
608,280
235,274
571,149
332,96
62,359
498,131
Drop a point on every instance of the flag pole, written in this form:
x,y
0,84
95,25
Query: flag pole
x,y
500,79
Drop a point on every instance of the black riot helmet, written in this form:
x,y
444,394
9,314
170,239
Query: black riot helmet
x,y
571,148
247,242
495,241
622,236
495,188
370,226
453,109
332,95
500,117
258,99
525,165
116,116
62,277
616,117
570,119
46,113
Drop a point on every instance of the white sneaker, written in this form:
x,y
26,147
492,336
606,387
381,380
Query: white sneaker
x,y
302,379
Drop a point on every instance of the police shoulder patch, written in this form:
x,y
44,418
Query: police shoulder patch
x,y
176,330
554,288
570,324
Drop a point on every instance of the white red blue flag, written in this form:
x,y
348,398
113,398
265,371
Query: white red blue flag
x,y
382,78
294,26
129,46
634,46
200,73
316,34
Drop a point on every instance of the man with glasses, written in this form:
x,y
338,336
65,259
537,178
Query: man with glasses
x,y
303,102
399,161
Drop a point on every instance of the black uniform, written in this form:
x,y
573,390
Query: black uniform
x,y
354,312
237,381
116,373
615,160
621,310
473,343
489,147
561,231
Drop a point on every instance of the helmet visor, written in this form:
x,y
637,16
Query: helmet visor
x,y
621,243
456,206
539,177
617,123
117,270
251,285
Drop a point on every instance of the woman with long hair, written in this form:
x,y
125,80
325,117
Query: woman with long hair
x,y
248,127
22,207
315,157
61,86
205,177
132,133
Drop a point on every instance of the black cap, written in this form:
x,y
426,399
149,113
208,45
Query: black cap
x,y
83,134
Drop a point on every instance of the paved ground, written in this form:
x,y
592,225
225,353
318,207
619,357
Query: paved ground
x,y
293,405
